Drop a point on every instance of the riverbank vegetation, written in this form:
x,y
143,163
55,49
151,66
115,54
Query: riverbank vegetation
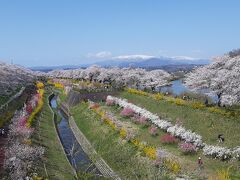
x,y
55,164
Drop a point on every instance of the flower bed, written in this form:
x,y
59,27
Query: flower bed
x,y
180,132
149,151
21,154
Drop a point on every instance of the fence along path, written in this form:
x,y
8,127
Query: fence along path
x,y
90,151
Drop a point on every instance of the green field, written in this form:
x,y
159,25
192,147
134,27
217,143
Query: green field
x,y
188,162
121,156
196,120
205,123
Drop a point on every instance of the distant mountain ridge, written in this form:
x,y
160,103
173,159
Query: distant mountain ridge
x,y
151,62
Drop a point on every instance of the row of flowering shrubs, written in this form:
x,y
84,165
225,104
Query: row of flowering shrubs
x,y
181,102
176,130
186,148
21,154
193,141
56,84
124,133
149,151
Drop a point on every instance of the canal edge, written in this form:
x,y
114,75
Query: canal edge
x,y
55,128
90,151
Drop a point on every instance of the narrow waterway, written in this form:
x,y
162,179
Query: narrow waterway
x,y
76,156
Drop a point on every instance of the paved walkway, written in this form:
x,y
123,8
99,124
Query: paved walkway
x,y
90,151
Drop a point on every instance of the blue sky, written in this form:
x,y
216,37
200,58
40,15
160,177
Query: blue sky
x,y
59,32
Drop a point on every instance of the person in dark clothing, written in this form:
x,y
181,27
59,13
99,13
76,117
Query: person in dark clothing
x,y
206,102
221,138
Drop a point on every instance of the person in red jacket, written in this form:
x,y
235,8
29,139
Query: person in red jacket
x,y
200,163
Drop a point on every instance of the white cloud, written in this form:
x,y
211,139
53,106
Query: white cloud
x,y
132,57
102,54
184,57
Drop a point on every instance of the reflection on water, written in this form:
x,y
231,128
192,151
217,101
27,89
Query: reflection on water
x,y
176,88
77,157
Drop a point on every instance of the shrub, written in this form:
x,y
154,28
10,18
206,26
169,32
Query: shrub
x,y
159,96
29,109
150,152
40,85
109,102
173,166
143,121
127,112
168,139
198,105
153,130
171,99
22,121
179,102
220,111
94,105
221,175
59,85
187,148
217,152
123,133
134,91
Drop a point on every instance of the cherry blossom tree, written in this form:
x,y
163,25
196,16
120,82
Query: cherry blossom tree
x,y
220,78
12,77
117,77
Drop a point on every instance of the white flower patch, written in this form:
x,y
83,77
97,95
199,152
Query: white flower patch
x,y
186,135
236,153
217,152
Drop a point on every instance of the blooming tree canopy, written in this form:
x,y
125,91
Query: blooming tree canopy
x,y
13,77
118,77
221,78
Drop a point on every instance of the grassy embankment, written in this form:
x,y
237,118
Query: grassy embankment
x,y
121,156
56,163
7,112
3,99
205,123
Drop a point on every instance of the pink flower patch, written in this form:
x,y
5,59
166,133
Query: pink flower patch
x,y
168,139
127,112
187,148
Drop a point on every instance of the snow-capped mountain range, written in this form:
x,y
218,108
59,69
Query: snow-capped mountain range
x,y
145,61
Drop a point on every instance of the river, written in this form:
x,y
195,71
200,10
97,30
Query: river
x,y
177,87
75,154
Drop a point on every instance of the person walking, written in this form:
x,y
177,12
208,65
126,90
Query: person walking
x,y
3,132
200,164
